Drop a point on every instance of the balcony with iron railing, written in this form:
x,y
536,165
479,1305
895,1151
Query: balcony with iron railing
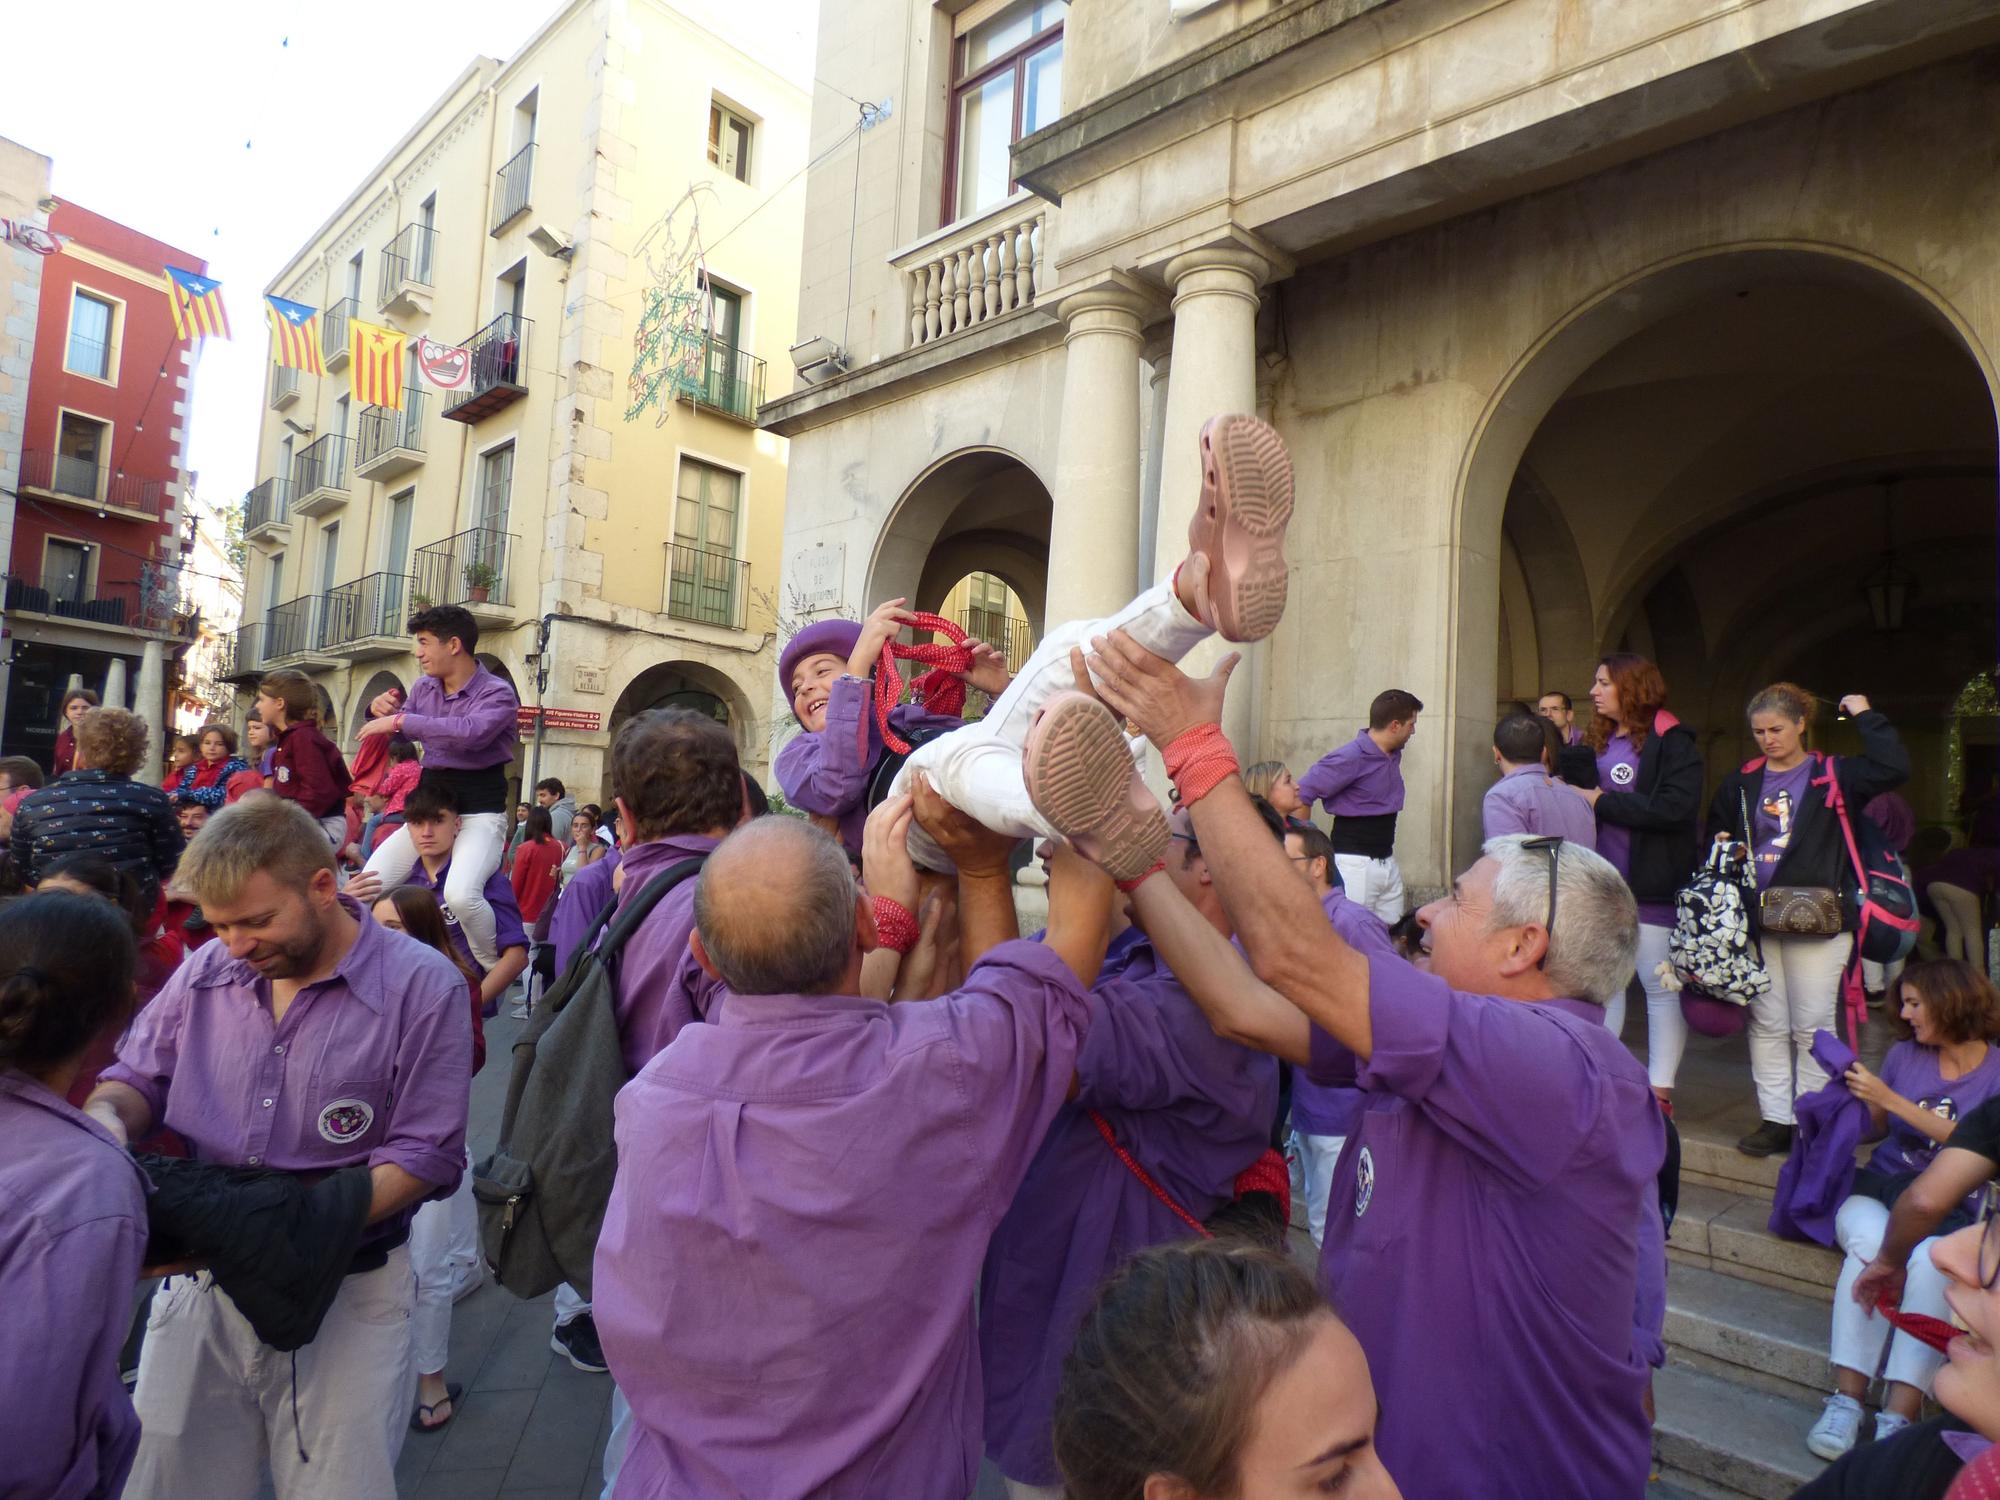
x,y
333,332
295,632
87,483
390,441
149,604
512,187
471,569
246,654
406,270
284,386
1005,633
319,477
87,356
707,587
367,618
499,370
267,511
976,270
721,378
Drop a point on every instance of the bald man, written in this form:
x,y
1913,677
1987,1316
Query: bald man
x,y
827,1171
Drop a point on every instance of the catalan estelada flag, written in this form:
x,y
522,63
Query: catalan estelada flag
x,y
197,303
377,372
294,334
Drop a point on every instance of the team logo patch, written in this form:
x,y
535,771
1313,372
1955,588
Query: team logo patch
x,y
284,773
346,1120
1622,774
1364,1182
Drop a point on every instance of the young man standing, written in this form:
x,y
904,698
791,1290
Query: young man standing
x,y
1556,707
1526,799
1361,784
304,1039
465,718
553,795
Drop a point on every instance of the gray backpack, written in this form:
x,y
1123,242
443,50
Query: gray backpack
x,y
543,1191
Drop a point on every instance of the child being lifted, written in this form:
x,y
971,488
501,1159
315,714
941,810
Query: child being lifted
x,y
1232,583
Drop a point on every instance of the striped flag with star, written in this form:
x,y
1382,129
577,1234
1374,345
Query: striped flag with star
x,y
197,303
377,371
294,334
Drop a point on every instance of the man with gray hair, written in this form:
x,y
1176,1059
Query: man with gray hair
x,y
807,1184
1496,1201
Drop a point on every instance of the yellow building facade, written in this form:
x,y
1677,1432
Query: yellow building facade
x,y
610,222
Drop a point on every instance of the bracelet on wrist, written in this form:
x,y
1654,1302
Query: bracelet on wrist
x,y
1198,760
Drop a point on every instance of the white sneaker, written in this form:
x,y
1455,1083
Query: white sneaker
x,y
1838,1427
1888,1424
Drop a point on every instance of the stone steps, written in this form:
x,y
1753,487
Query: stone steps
x,y
1718,1437
1768,1339
1719,1230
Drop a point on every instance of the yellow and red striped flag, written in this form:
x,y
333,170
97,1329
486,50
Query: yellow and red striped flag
x,y
197,303
377,373
294,334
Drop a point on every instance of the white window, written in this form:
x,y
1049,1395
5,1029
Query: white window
x,y
89,351
729,140
496,483
66,571
1006,75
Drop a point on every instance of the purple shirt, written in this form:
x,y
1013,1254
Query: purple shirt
x,y
1912,1071
1775,815
469,730
588,893
1359,779
1895,817
499,893
827,773
660,986
805,1190
1193,1110
1528,800
1323,1108
1486,1208
371,1065
71,1239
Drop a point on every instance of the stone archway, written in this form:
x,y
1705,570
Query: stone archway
x,y
685,684
976,509
379,684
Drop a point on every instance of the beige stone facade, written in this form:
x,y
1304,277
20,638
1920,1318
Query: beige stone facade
x,y
24,194
1591,326
611,219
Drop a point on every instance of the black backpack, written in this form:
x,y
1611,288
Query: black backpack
x,y
543,1191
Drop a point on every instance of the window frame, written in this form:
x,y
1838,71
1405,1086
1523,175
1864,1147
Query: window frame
x,y
109,430
957,88
721,115
114,324
477,519
87,580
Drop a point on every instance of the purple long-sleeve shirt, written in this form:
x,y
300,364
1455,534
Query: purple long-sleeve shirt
x,y
1528,800
805,1191
499,893
1359,780
1192,1109
470,730
589,891
827,773
71,1238
660,986
1487,1203
370,1066
1329,1108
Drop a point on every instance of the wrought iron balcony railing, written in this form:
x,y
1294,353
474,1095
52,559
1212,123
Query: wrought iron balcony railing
x,y
269,504
469,568
709,587
512,187
498,375
85,481
1005,633
385,432
407,259
333,331
377,605
723,377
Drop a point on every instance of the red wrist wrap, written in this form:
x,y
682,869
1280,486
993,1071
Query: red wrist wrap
x,y
1199,760
1129,886
895,928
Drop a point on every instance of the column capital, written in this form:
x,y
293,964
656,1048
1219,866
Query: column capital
x,y
1237,257
1116,302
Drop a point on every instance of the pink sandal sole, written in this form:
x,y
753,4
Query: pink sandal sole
x,y
1080,777
1240,522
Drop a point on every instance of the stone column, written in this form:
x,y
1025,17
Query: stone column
x,y
1094,530
1215,358
1159,360
149,703
114,683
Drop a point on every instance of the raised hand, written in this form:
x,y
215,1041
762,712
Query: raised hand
x,y
988,671
881,627
973,848
886,869
385,703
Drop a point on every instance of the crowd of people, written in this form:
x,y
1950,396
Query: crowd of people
x,y
899,1189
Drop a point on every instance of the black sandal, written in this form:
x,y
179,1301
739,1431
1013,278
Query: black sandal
x,y
451,1395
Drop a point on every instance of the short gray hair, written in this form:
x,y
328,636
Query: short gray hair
x,y
1596,939
775,908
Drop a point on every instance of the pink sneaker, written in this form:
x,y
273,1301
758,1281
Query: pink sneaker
x,y
1082,778
1239,525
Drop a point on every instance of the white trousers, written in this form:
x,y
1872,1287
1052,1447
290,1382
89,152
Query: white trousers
x,y
1376,883
1805,989
1317,1156
474,858
1958,915
1666,1027
617,1441
215,1402
977,769
570,1304
444,1257
1859,1333
1879,979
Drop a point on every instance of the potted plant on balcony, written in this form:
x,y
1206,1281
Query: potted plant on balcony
x,y
479,581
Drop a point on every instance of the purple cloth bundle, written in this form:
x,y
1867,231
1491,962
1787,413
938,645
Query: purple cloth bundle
x,y
1819,1174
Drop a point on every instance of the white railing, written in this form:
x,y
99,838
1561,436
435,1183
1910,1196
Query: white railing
x,y
972,272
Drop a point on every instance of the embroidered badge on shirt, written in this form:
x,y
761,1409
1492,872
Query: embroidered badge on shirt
x,y
284,773
1622,774
1364,1182
346,1120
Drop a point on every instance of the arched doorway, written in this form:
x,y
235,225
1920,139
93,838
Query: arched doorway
x,y
1753,464
683,684
977,511
327,716
379,684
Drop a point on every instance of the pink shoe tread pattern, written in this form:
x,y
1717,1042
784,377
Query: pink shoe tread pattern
x,y
1240,523
1081,777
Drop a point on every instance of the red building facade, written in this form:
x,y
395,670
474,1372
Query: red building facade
x,y
92,590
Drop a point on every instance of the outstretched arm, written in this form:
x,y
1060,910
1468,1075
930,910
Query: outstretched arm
x,y
1240,1007
1291,946
985,884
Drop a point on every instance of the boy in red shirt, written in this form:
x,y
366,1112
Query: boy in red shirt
x,y
306,766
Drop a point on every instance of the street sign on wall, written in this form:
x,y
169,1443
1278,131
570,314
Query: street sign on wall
x,y
560,718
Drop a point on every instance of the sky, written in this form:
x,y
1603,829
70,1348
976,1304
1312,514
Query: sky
x,y
232,130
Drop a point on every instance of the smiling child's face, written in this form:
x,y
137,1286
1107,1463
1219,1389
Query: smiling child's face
x,y
812,680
